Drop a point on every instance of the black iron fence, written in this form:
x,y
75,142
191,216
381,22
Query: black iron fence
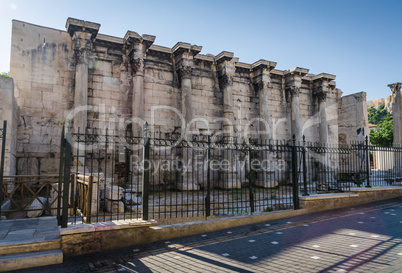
x,y
325,168
113,175
165,176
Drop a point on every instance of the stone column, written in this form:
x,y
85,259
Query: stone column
x,y
321,90
263,85
184,59
83,34
226,72
397,123
325,178
396,112
137,47
293,86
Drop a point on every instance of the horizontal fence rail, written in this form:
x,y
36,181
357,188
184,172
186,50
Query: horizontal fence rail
x,y
29,195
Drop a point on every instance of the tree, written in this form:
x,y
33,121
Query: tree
x,y
377,116
5,74
383,135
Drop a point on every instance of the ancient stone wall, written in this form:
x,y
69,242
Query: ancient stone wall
x,y
42,71
57,73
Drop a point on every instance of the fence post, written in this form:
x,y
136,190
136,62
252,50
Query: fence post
x,y
367,163
89,198
145,174
208,198
72,190
251,178
294,174
66,180
3,147
304,167
60,176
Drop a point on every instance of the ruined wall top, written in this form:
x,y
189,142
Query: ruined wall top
x,y
73,25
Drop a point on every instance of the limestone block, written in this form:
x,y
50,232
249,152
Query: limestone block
x,y
134,208
114,206
6,205
37,207
53,200
129,190
266,184
113,192
131,199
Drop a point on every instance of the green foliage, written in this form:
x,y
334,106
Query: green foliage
x,y
383,135
377,116
5,74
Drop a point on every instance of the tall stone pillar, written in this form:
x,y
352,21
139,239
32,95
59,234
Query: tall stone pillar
x,y
137,47
184,59
293,86
396,112
83,34
263,85
226,72
328,165
321,90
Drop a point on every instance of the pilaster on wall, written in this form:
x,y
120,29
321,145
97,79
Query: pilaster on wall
x,y
396,112
184,60
226,71
137,47
83,34
9,112
321,89
262,82
293,84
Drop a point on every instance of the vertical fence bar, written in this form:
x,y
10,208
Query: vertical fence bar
x,y
145,174
3,147
72,199
367,163
89,198
250,178
304,167
60,176
208,197
294,174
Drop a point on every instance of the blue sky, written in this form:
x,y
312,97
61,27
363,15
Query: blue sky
x,y
359,41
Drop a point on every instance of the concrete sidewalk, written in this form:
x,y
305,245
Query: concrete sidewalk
x,y
28,230
364,238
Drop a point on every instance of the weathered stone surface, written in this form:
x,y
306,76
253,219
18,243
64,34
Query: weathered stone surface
x,y
6,206
114,206
37,207
130,199
114,192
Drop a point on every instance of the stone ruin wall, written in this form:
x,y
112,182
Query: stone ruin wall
x,y
44,67
352,127
9,112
